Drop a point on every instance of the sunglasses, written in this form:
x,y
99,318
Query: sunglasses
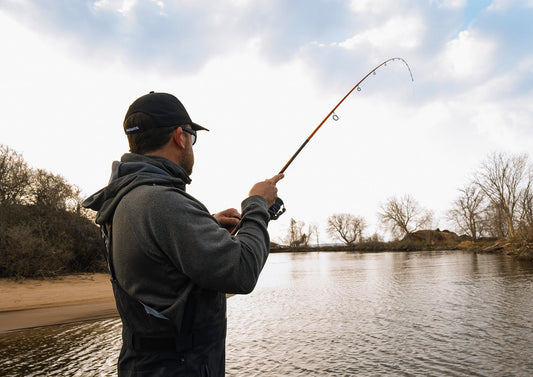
x,y
191,132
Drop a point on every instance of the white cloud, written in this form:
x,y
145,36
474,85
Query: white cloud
x,y
469,56
502,124
452,4
121,6
371,6
398,32
501,5
124,7
242,3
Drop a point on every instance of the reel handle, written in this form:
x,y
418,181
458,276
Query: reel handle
x,y
277,209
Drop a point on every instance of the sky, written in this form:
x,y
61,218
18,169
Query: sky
x,y
261,75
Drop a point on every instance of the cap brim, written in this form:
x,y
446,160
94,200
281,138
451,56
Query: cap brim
x,y
197,127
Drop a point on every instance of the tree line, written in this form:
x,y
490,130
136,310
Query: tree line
x,y
44,230
496,202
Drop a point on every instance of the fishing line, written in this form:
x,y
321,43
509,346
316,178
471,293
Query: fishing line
x,y
279,207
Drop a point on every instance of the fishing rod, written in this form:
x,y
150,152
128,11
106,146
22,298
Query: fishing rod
x,y
278,208
332,112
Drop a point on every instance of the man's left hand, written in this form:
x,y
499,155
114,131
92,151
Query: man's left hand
x,y
228,219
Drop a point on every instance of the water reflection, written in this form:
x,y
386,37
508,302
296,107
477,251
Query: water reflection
x,y
434,313
82,349
339,314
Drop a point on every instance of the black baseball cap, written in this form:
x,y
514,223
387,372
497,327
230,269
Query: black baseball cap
x,y
164,109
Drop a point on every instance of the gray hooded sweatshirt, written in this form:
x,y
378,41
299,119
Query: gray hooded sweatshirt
x,y
165,242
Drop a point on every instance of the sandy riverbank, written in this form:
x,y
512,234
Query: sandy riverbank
x,y
32,303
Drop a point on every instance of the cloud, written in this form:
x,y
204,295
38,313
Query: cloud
x,y
512,28
372,7
185,34
145,33
387,36
453,4
468,57
335,37
121,6
499,5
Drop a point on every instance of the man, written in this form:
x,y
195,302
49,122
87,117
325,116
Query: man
x,y
171,262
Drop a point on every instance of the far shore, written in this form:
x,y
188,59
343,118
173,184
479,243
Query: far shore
x,y
520,250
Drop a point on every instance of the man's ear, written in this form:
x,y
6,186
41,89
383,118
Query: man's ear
x,y
177,137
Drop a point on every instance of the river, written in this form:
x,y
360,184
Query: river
x,y
446,313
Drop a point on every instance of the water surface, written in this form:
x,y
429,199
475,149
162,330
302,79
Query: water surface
x,y
339,314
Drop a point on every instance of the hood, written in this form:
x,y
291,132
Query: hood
x,y
131,171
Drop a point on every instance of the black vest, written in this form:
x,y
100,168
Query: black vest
x,y
152,346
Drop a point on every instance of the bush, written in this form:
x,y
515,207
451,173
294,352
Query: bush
x,y
43,230
37,243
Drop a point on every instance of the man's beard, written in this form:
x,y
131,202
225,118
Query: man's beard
x,y
187,159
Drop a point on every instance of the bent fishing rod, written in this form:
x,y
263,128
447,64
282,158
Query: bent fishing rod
x,y
278,208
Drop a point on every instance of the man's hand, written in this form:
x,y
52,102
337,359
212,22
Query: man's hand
x,y
228,219
267,189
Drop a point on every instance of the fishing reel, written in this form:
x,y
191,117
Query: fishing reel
x,y
277,209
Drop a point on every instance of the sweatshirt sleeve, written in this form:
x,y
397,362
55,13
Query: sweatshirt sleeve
x,y
206,253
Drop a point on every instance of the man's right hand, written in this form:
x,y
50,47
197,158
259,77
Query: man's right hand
x,y
267,189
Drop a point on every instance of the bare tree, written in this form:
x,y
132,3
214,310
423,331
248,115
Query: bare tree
x,y
14,176
295,235
374,238
51,191
404,215
346,227
525,222
74,204
500,178
467,211
495,222
313,231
